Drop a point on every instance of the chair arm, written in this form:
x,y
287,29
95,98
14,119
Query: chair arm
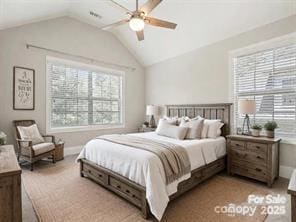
x,y
25,145
50,136
22,141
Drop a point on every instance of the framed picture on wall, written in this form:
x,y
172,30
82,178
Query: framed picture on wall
x,y
23,88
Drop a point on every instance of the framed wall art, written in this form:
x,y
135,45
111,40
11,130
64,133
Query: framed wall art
x,y
23,88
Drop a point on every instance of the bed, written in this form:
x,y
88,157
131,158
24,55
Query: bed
x,y
136,175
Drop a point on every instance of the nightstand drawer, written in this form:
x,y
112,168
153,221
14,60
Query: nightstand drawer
x,y
249,170
251,157
237,144
257,147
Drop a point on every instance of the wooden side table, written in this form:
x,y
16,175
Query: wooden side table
x,y
253,157
146,129
59,151
292,192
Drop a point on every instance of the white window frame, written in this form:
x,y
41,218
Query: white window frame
x,y
94,68
269,44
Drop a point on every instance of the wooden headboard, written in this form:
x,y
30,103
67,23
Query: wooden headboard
x,y
208,111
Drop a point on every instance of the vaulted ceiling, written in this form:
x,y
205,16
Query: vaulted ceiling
x,y
200,22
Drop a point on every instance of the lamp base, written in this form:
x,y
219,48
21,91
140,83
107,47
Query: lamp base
x,y
152,122
246,126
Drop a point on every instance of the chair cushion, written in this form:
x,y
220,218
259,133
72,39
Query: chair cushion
x,y
30,133
43,148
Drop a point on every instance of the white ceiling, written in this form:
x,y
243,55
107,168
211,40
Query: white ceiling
x,y
200,22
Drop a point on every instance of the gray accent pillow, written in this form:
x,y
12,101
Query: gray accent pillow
x,y
194,128
168,130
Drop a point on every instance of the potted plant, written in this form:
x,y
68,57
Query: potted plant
x,y
269,127
3,138
256,129
145,124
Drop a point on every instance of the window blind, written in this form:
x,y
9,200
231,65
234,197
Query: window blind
x,y
80,96
268,77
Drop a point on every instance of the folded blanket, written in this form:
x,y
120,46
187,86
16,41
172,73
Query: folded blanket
x,y
174,158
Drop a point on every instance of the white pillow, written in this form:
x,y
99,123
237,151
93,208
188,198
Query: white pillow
x,y
166,129
30,133
194,128
211,128
170,120
183,118
214,128
204,131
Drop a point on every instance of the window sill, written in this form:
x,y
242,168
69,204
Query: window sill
x,y
288,141
84,129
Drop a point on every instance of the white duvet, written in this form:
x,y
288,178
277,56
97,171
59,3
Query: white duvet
x,y
146,168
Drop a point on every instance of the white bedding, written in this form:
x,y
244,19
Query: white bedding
x,y
146,168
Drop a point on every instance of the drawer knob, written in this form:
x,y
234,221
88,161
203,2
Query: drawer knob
x,y
257,169
259,157
100,175
118,186
127,191
258,147
133,196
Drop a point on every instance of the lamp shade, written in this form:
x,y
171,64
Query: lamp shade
x,y
247,106
151,110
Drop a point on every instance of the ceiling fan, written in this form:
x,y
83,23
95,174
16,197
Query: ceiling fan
x,y
138,18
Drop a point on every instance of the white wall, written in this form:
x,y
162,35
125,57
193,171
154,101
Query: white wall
x,y
202,76
74,37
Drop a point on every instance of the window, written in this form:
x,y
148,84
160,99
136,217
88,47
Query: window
x,y
83,96
269,77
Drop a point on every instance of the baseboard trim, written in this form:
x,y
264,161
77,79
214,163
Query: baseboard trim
x,y
286,171
68,151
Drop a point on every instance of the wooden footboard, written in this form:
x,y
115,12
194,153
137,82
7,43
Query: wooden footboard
x,y
135,193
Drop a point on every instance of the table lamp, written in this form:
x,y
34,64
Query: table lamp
x,y
247,107
152,111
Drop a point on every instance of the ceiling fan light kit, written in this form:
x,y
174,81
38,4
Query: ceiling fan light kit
x,y
136,24
138,18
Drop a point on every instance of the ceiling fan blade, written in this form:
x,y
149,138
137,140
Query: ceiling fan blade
x,y
115,24
160,23
120,6
149,6
140,35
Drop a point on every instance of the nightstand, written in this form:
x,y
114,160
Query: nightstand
x,y
253,157
146,129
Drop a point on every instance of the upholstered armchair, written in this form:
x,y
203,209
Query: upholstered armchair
x,y
30,150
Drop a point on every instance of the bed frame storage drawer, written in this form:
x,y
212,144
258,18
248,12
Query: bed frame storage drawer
x,y
135,193
126,190
95,174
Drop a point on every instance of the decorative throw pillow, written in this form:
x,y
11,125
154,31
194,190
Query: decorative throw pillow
x,y
30,133
166,129
194,128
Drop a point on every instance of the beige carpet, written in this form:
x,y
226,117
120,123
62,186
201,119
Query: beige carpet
x,y
58,193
